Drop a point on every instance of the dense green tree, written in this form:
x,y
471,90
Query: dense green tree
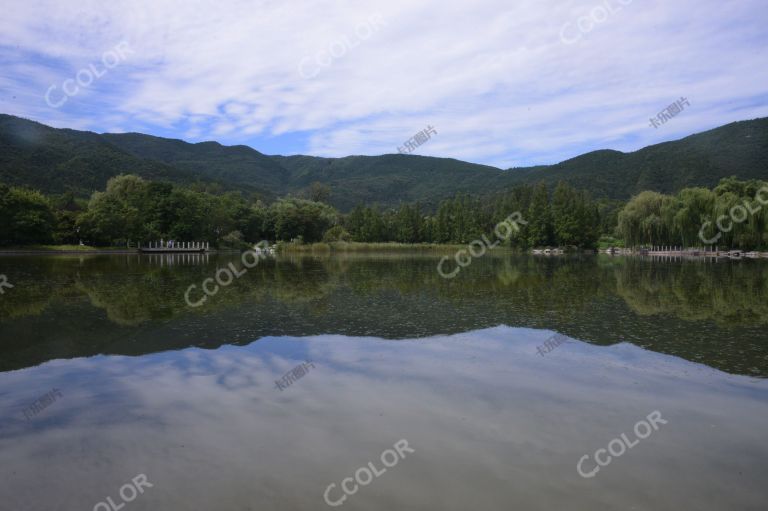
x,y
567,216
318,192
132,209
539,229
464,219
408,224
691,209
115,216
26,217
729,216
641,219
336,233
300,217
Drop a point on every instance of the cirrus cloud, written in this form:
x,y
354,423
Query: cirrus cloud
x,y
494,77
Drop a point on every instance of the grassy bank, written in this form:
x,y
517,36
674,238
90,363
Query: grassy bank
x,y
608,242
64,249
353,246
356,247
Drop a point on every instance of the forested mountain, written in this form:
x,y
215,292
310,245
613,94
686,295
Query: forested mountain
x,y
58,160
392,178
738,149
234,166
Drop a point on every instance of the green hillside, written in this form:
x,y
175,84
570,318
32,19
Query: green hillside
x,y
56,160
738,149
234,166
390,178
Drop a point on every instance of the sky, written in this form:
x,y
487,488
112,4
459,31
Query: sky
x,y
507,83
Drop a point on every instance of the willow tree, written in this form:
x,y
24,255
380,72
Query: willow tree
x,y
643,219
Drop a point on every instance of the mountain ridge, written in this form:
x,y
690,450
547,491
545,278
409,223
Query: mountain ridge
x,y
55,160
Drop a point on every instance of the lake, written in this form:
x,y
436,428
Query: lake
x,y
369,382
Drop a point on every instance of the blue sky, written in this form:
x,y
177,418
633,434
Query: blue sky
x,y
505,83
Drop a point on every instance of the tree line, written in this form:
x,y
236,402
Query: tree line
x,y
567,217
733,214
132,210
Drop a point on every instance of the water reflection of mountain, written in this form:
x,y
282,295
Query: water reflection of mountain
x,y
64,307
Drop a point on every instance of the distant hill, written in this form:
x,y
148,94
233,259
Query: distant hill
x,y
234,166
391,178
57,160
737,149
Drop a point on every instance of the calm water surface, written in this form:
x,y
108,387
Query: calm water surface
x,y
188,396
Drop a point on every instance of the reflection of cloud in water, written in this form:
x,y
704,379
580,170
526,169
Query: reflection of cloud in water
x,y
493,425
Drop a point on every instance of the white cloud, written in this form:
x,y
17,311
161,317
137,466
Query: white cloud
x,y
494,77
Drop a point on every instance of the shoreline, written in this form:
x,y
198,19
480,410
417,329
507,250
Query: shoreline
x,y
393,247
94,251
39,251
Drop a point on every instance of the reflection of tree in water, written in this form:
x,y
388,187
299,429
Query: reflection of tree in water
x,y
37,284
132,293
302,281
27,298
156,293
508,274
133,290
729,293
129,300
663,307
528,291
